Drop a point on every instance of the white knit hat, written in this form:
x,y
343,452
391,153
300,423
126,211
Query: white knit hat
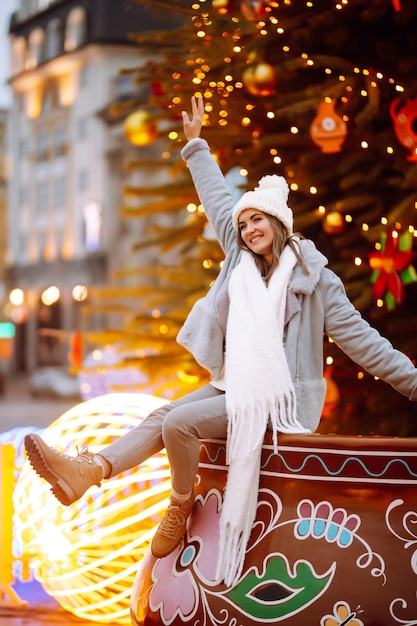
x,y
270,196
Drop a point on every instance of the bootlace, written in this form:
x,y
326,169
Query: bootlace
x,y
84,455
174,517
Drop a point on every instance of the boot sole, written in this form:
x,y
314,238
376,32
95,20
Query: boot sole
x,y
61,490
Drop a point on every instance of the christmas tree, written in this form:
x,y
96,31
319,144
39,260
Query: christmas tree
x,y
324,93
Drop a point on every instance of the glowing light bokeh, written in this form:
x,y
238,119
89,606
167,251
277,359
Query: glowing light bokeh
x,y
86,555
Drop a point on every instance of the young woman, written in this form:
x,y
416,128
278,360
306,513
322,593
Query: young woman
x,y
259,332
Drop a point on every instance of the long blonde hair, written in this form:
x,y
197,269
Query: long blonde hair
x,y
281,240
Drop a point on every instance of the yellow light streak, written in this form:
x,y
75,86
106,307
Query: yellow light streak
x,y
86,556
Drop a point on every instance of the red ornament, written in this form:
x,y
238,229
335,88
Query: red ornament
x,y
396,4
390,265
328,130
404,117
252,10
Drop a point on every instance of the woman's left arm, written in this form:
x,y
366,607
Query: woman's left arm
x,y
363,343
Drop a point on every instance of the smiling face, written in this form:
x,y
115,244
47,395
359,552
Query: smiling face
x,y
257,232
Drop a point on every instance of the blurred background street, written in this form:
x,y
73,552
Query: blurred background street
x,y
19,408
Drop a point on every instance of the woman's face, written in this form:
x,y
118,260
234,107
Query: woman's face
x,y
257,232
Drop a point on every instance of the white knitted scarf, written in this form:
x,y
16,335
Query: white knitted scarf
x,y
258,388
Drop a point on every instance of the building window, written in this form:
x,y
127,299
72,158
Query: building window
x,y
22,243
49,100
24,195
76,29
54,38
92,226
42,153
24,148
19,53
36,48
82,128
84,73
60,139
83,180
42,199
59,193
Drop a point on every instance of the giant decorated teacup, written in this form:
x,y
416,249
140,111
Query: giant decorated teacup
x,y
334,541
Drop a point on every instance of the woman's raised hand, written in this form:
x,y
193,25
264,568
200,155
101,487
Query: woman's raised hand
x,y
192,127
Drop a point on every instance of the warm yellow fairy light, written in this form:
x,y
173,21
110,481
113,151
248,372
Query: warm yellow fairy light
x,y
358,261
50,295
86,555
80,293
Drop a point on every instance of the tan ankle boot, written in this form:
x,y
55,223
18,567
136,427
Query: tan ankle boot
x,y
69,476
172,528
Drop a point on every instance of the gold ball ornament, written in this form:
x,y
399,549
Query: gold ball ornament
x,y
260,79
140,129
223,7
334,223
86,555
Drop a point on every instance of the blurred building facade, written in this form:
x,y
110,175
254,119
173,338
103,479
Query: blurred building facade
x,y
3,200
66,161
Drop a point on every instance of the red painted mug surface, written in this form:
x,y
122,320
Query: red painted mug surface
x,y
334,541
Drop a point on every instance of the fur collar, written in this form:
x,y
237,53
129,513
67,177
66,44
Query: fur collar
x,y
315,261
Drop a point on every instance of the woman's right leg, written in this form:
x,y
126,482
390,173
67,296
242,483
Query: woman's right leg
x,y
70,477
145,440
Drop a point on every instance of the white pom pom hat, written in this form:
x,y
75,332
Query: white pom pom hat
x,y
270,196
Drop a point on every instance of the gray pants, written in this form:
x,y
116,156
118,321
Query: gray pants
x,y
177,427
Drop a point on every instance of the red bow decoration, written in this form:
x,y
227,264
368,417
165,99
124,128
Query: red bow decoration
x,y
392,267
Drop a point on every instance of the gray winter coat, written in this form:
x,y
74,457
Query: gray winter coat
x,y
316,304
